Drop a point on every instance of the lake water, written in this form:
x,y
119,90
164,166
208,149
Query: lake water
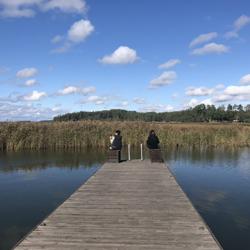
x,y
217,181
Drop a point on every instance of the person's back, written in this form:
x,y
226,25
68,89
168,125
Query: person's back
x,y
117,142
153,140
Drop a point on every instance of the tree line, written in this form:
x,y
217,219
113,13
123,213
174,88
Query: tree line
x,y
200,113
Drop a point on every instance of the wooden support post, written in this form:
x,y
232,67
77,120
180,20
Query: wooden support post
x,y
129,153
141,152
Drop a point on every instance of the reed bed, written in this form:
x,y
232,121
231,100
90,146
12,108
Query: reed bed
x,y
81,134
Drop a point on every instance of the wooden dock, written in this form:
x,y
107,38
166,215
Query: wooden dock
x,y
131,205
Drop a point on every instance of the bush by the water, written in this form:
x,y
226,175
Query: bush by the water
x,y
65,135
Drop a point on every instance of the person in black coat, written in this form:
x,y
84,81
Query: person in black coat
x,y
153,140
117,142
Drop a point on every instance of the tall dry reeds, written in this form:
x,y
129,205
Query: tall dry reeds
x,y
66,135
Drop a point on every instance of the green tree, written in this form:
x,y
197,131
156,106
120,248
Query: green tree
x,y
229,107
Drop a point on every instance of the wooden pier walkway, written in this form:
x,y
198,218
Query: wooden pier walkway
x,y
132,205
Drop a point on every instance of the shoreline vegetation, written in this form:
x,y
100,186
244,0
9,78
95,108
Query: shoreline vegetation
x,y
200,113
16,136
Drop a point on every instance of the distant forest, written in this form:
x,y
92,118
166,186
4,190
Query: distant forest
x,y
200,113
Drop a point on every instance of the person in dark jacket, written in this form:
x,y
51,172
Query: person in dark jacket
x,y
117,142
153,140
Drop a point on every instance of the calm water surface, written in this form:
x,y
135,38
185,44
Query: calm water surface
x,y
218,184
217,181
32,185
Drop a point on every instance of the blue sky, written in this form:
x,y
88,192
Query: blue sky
x,y
59,56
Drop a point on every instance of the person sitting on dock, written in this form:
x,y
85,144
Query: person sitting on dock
x,y
117,142
153,140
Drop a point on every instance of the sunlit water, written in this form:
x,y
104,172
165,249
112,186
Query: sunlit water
x,y
32,185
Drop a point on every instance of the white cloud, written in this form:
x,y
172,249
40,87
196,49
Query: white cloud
x,y
211,48
27,72
34,96
174,95
73,6
245,80
222,94
237,90
242,21
123,104
165,78
168,108
56,108
18,8
98,100
231,34
233,93
139,100
15,112
203,38
222,98
64,48
28,8
169,64
157,108
68,90
80,30
200,91
208,101
192,103
57,39
87,90
9,12
76,90
31,82
239,23
220,86
122,55
77,33
13,97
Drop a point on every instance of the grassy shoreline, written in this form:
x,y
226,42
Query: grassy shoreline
x,y
15,136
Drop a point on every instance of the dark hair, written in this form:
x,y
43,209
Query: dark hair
x,y
152,132
118,132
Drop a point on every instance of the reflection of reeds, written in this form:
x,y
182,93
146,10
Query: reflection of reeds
x,y
66,135
70,159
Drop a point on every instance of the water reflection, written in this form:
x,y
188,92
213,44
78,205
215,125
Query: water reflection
x,y
41,160
32,185
217,182
207,155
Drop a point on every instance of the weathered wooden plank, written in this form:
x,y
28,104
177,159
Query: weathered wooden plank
x,y
131,205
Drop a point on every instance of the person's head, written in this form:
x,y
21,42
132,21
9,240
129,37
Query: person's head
x,y
152,132
117,132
